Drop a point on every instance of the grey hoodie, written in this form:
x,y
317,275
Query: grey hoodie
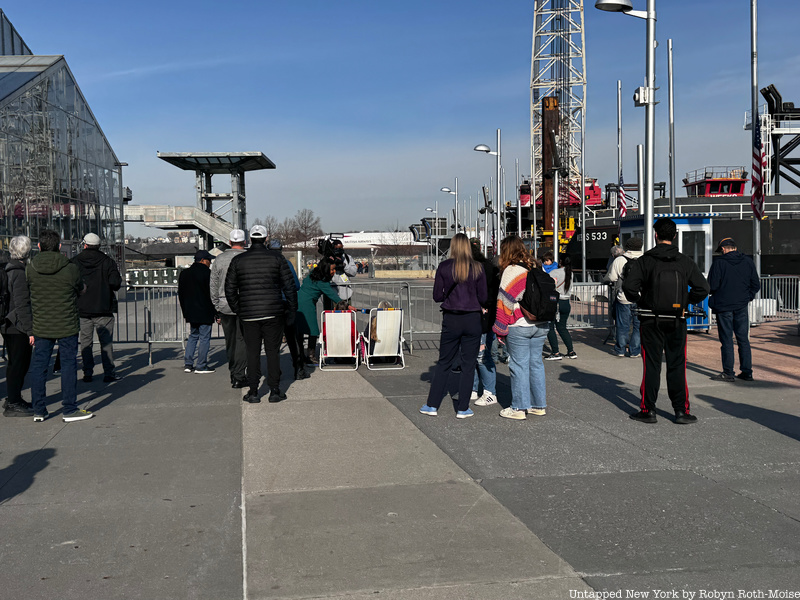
x,y
219,269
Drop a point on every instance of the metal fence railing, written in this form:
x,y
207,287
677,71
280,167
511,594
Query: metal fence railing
x,y
152,314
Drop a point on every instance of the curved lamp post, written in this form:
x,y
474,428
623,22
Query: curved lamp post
x,y
447,190
644,97
487,150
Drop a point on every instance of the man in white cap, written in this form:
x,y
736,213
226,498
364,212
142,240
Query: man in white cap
x,y
97,305
231,326
255,286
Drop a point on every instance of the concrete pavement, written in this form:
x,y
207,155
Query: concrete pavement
x,y
176,489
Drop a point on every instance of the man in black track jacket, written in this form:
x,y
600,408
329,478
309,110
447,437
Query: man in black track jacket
x,y
97,305
255,286
664,332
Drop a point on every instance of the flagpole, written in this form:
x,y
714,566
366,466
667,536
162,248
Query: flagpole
x,y
620,191
755,134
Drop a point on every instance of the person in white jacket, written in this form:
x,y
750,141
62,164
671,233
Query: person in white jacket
x,y
627,321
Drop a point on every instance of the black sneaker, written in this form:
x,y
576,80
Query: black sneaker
x,y
237,385
40,418
204,370
644,416
723,377
745,376
188,369
301,373
555,356
571,354
87,378
275,395
17,409
111,378
684,418
251,397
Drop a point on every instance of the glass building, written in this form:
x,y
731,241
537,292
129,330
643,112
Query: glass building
x,y
57,169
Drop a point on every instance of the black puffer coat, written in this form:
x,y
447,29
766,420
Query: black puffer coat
x,y
194,294
257,282
102,279
20,317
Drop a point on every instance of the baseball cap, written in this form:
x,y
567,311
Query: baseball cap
x,y
91,239
237,235
725,242
202,255
258,231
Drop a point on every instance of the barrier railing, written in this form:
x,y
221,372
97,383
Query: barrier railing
x,y
779,300
368,294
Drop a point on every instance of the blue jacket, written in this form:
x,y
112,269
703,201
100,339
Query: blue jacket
x,y
734,282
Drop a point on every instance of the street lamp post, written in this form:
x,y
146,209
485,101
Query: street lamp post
x,y
447,190
487,150
644,97
435,232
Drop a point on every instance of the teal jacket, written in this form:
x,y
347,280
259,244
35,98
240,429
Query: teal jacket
x,y
307,299
55,284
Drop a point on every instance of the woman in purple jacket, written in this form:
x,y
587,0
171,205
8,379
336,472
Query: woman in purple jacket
x,y
460,286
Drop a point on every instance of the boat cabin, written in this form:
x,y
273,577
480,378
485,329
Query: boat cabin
x,y
716,182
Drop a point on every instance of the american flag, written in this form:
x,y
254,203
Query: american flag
x,y
759,163
623,208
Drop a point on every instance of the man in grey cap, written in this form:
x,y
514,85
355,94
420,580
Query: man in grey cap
x,y
194,294
734,283
231,326
97,305
256,283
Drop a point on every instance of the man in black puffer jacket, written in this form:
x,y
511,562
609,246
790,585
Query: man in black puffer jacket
x,y
255,286
97,305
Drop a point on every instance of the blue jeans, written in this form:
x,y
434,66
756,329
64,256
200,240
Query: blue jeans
x,y
625,320
730,323
199,338
42,351
526,366
486,372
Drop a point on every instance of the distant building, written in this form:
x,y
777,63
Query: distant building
x,y
57,169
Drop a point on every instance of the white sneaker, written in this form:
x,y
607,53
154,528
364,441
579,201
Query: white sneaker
x,y
539,412
512,413
474,395
486,400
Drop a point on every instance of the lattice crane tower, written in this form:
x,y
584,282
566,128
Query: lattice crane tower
x,y
558,69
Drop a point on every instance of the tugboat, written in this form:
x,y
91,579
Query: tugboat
x,y
716,182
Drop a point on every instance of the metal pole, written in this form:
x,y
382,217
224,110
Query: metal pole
x,y
555,215
648,216
519,202
456,213
497,240
756,120
671,130
619,145
583,193
650,125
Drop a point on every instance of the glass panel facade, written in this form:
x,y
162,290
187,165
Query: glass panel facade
x,y
57,169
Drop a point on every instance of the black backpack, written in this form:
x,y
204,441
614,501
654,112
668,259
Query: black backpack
x,y
540,300
668,291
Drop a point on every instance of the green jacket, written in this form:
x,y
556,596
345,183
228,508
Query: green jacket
x,y
55,284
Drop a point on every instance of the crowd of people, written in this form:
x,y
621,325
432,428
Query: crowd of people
x,y
255,295
651,293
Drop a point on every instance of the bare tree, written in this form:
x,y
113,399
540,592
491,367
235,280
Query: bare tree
x,y
398,248
308,226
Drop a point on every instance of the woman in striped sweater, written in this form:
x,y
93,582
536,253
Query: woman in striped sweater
x,y
524,338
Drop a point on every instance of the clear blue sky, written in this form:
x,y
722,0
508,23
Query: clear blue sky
x,y
369,107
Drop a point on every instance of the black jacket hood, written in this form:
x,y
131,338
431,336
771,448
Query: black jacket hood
x,y
664,252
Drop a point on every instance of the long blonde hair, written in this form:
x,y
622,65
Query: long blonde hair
x,y
464,266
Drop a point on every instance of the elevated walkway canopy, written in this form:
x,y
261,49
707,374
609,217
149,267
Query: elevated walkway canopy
x,y
232,204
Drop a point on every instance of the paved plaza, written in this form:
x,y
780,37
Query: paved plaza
x,y
176,489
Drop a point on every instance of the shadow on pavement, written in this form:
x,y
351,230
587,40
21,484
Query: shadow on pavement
x,y
20,474
613,390
788,425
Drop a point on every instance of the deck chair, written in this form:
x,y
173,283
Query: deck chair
x,y
339,341
387,351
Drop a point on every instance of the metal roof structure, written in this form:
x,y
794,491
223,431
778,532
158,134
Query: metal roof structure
x,y
218,163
